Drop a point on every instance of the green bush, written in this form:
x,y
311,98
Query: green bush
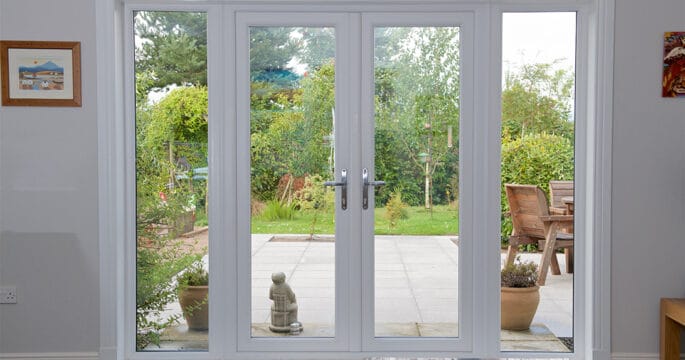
x,y
158,261
159,257
194,275
274,210
534,160
395,209
314,198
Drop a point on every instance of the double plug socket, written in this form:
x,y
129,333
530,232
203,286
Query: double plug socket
x,y
8,295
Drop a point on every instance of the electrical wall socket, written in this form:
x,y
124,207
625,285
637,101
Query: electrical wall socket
x,y
8,295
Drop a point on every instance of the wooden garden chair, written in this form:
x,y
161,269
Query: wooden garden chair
x,y
533,224
559,189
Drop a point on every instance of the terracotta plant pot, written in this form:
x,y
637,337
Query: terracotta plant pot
x,y
519,306
196,316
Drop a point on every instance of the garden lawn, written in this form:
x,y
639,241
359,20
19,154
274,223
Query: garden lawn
x,y
444,221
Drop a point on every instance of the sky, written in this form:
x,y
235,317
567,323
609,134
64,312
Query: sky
x,y
538,37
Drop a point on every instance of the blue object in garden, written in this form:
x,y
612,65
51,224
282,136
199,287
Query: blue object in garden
x,y
198,174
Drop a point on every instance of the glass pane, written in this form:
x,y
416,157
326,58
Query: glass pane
x,y
417,85
292,110
538,164
171,180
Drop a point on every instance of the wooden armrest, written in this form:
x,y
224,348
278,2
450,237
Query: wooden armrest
x,y
557,210
562,219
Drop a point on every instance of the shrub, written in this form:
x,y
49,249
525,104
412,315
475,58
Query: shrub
x,y
274,210
314,197
395,209
519,274
159,257
156,266
195,275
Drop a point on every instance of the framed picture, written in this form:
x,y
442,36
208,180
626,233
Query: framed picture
x,y
673,81
40,73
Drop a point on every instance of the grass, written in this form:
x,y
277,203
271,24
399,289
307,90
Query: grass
x,y
444,221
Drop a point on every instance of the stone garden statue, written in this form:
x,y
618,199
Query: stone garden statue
x,y
284,308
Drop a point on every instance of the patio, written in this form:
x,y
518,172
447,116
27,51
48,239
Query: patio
x,y
416,292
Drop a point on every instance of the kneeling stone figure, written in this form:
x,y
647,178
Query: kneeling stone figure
x,y
284,308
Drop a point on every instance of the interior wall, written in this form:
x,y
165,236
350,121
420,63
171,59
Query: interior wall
x,y
648,196
48,196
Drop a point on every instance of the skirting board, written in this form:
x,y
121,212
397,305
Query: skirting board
x,y
50,356
638,356
95,356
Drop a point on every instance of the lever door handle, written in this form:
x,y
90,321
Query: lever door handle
x,y
343,187
365,191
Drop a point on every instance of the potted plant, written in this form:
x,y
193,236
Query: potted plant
x,y
520,295
193,293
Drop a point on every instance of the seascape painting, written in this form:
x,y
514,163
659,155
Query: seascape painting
x,y
673,81
40,74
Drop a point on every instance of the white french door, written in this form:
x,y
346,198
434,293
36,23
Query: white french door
x,y
347,112
373,91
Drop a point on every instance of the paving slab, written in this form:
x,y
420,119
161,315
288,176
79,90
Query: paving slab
x,y
416,289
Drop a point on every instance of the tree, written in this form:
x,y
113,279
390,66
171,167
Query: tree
x,y
271,48
317,46
537,99
418,94
173,49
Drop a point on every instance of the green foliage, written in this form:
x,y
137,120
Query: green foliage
x,y
275,210
319,48
537,99
158,260
416,103
534,160
288,129
519,274
314,198
271,48
318,104
194,275
173,49
391,166
395,209
180,116
166,132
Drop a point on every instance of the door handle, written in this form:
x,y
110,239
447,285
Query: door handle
x,y
343,187
365,191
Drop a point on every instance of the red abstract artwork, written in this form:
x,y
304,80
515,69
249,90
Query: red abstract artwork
x,y
673,83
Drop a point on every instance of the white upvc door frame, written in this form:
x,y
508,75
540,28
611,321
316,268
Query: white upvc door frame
x,y
117,290
584,158
468,192
220,161
343,124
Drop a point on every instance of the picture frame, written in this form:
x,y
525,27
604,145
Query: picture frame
x,y
40,73
673,79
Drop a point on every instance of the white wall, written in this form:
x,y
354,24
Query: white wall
x,y
648,245
48,196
